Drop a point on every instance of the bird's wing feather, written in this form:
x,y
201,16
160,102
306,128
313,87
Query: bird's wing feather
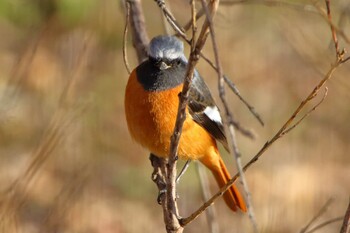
x,y
204,111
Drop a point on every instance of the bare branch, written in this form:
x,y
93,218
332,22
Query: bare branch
x,y
188,25
319,213
181,116
139,34
345,60
125,54
334,35
165,24
307,114
249,106
266,146
346,221
325,224
183,170
272,3
291,5
170,18
210,213
235,150
180,32
238,94
329,21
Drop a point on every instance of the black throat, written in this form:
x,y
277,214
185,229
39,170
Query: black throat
x,y
154,79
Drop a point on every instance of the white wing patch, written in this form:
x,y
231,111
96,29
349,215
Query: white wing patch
x,y
213,113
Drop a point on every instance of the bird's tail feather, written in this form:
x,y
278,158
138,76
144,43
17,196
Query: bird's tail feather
x,y
232,196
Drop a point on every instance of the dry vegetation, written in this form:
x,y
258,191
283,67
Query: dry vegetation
x,y
69,165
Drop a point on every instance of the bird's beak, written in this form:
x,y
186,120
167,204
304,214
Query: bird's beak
x,y
163,66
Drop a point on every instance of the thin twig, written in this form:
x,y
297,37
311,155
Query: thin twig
x,y
125,54
235,90
319,213
265,147
138,28
291,5
166,26
333,220
273,3
172,219
188,25
345,228
193,21
183,170
250,107
345,60
180,32
334,34
335,27
308,113
181,115
211,213
170,18
229,116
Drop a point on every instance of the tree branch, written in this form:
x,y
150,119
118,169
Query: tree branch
x,y
346,221
196,47
235,151
281,132
140,38
319,213
125,54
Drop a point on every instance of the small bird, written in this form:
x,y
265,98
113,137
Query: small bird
x,y
151,105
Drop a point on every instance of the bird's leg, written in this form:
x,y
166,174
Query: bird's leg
x,y
158,176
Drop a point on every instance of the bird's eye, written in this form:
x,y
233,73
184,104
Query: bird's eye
x,y
177,62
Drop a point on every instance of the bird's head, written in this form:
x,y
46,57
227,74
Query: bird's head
x,y
166,51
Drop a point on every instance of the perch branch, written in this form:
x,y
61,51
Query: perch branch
x,y
196,47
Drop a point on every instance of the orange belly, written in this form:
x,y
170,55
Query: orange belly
x,y
151,119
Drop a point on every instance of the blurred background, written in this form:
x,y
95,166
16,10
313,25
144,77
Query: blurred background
x,y
68,164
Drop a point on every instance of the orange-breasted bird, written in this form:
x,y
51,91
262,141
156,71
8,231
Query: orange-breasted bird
x,y
151,104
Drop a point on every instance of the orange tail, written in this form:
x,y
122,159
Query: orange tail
x,y
232,196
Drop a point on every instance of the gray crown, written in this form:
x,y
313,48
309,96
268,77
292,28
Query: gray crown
x,y
166,47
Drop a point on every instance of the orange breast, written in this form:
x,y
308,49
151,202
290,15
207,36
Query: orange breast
x,y
151,119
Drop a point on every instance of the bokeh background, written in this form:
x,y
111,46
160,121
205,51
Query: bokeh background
x,y
68,164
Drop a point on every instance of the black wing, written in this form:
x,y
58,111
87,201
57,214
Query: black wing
x,y
204,111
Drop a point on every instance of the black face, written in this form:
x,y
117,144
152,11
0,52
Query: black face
x,y
155,76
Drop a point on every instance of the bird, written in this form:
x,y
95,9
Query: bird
x,y
151,105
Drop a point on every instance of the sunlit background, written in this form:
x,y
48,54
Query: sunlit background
x,y
68,163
